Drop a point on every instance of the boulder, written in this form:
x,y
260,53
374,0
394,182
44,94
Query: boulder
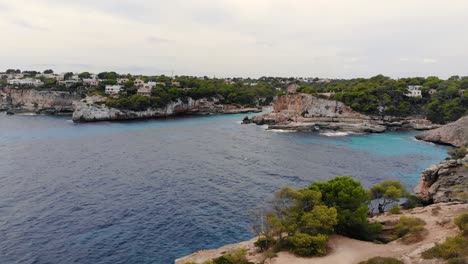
x,y
455,133
444,182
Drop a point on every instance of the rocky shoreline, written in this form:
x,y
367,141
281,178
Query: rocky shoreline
x,y
304,112
92,109
454,134
16,101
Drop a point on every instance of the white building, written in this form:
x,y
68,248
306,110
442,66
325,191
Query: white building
x,y
113,89
414,91
26,81
149,85
122,80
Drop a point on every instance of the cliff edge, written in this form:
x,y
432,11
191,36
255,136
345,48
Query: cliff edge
x,y
455,133
306,112
93,109
35,101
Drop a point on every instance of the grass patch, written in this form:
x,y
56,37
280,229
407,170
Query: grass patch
x,y
454,248
395,210
381,260
410,229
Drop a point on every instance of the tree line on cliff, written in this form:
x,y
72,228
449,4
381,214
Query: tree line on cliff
x,y
442,101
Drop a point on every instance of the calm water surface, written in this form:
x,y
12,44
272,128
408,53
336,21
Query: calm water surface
x,y
149,192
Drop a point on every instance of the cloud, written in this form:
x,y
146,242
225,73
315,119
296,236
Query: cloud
x,y
333,38
158,40
429,60
27,25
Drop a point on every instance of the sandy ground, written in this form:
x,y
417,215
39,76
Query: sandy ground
x,y
439,222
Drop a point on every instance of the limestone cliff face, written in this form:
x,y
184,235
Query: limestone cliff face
x,y
444,182
309,106
455,133
306,112
30,100
88,110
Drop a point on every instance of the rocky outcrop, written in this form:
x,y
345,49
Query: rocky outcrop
x,y
438,221
306,112
92,110
29,100
444,182
455,133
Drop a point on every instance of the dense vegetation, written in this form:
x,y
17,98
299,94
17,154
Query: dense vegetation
x,y
454,249
442,101
382,95
260,94
301,220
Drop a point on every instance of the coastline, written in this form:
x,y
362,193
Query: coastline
x,y
345,250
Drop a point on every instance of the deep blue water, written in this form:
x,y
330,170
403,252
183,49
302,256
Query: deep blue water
x,y
148,192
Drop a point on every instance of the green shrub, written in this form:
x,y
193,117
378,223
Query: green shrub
x,y
411,229
453,248
238,256
412,201
381,260
264,243
350,200
457,261
306,245
458,153
395,209
462,222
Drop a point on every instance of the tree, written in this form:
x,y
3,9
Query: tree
x,y
388,192
48,71
298,220
67,75
350,200
108,75
84,75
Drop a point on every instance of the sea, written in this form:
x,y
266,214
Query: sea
x,y
152,191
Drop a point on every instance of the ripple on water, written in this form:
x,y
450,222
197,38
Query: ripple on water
x,y
148,192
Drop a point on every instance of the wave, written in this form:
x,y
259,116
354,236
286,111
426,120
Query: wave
x,y
281,130
336,133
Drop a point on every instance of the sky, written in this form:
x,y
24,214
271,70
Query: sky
x,y
242,38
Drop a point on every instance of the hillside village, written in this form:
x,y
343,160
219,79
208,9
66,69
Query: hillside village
x,y
437,99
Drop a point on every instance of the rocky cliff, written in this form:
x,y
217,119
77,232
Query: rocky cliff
x,y
30,100
444,182
455,134
91,110
306,112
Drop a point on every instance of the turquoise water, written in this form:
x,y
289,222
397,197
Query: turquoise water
x,y
152,191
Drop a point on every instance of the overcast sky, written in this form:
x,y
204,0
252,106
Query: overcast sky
x,y
325,38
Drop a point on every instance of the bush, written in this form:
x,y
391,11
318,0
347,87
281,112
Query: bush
x,y
381,260
264,243
412,201
458,153
306,245
238,256
395,209
453,248
462,222
350,200
411,229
